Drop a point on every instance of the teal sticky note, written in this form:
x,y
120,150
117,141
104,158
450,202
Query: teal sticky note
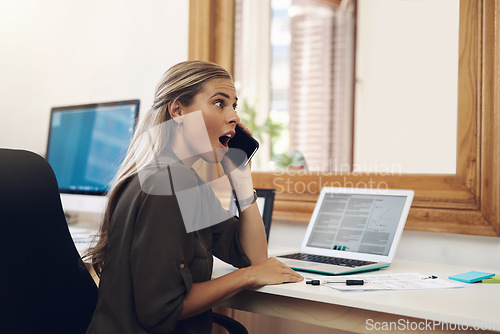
x,y
471,276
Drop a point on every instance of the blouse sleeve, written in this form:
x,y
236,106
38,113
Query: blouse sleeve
x,y
227,245
225,230
160,276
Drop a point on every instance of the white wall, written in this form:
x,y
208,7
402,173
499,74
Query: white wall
x,y
406,86
59,52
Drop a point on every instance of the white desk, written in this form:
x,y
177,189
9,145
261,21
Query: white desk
x,y
83,230
475,305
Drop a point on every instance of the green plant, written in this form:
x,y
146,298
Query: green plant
x,y
248,116
273,129
290,159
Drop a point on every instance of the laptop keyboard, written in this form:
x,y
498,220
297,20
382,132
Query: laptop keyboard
x,y
338,261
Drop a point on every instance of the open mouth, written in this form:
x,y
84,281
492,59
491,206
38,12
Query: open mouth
x,y
224,139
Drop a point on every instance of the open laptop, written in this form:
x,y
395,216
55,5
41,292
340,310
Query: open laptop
x,y
352,230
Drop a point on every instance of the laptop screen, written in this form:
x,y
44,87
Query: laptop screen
x,y
357,223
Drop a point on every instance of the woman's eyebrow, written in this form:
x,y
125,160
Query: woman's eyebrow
x,y
223,94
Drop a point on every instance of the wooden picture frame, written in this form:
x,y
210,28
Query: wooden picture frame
x,y
467,202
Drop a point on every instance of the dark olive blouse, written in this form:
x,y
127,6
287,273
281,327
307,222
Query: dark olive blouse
x,y
152,262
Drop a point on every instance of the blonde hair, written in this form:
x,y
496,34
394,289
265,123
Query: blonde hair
x,y
182,82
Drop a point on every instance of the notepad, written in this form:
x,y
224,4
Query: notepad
x,y
471,276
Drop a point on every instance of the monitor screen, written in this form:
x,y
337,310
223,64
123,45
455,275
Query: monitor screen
x,y
87,144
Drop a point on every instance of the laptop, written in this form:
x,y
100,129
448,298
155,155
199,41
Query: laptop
x,y
352,230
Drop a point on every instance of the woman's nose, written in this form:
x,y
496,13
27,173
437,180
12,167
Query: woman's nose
x,y
233,117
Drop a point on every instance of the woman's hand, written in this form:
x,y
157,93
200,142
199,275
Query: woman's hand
x,y
227,163
240,177
271,272
247,130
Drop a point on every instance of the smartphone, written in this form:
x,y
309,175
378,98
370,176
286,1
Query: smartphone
x,y
242,147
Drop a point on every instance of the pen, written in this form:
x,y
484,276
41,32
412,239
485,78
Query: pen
x,y
347,282
430,277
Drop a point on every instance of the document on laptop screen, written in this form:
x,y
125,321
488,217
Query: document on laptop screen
x,y
357,223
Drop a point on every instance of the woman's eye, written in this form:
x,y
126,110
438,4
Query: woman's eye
x,y
219,103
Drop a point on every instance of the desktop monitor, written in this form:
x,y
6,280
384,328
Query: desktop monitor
x,y
86,145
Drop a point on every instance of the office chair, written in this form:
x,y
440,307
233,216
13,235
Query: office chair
x,y
267,211
45,287
232,326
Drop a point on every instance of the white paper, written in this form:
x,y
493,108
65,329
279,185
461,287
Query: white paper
x,y
410,281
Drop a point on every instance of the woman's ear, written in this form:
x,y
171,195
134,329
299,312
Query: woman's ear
x,y
175,111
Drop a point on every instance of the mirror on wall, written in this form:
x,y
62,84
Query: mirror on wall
x,y
350,86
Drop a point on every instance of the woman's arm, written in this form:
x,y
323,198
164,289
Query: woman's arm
x,y
203,296
253,234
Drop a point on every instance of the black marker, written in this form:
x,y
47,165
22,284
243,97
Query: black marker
x,y
347,282
430,277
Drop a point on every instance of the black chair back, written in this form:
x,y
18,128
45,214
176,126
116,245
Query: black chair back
x,y
45,287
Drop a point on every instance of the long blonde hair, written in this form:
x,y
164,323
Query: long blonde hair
x,y
182,82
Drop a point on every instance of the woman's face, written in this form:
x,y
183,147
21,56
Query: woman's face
x,y
217,103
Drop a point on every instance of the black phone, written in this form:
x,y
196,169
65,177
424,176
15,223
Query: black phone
x,y
242,147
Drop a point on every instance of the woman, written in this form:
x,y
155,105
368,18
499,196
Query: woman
x,y
163,224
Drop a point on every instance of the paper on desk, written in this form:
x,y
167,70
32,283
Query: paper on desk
x,y
82,235
410,281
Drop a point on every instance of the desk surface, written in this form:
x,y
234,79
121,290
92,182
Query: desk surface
x,y
474,305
